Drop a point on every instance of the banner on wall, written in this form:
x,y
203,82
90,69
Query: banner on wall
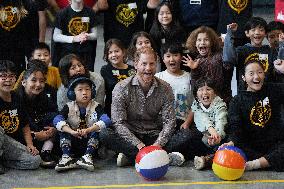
x,y
279,10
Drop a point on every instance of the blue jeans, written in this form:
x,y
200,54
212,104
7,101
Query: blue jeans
x,y
15,155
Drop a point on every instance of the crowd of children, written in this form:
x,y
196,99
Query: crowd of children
x,y
50,111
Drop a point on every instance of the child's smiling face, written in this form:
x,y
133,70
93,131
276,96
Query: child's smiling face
x,y
165,16
205,95
254,77
256,35
203,44
7,81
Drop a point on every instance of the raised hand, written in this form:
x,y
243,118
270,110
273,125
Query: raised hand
x,y
189,62
232,26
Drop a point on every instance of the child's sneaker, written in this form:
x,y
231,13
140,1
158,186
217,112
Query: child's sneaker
x,y
86,162
47,160
65,163
122,160
203,161
176,159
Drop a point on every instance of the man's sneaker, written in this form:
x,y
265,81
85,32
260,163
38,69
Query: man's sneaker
x,y
86,162
203,161
176,159
47,160
122,160
65,163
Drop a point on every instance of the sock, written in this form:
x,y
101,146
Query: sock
x,y
66,150
47,145
90,150
251,165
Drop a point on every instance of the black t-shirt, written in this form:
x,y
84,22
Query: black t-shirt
x,y
72,23
111,77
13,118
234,12
33,18
12,28
123,18
41,109
254,117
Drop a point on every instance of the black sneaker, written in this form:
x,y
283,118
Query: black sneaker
x,y
65,163
47,159
86,162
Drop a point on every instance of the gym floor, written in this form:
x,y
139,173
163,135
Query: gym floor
x,y
107,175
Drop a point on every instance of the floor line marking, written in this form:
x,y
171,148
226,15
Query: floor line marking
x,y
160,184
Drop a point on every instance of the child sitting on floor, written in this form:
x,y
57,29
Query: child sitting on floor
x,y
79,123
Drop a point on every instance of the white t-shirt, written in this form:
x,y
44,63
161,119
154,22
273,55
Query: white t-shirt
x,y
182,91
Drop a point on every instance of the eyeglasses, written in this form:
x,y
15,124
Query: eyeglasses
x,y
5,76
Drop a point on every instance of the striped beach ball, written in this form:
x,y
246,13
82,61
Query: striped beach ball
x,y
152,162
229,163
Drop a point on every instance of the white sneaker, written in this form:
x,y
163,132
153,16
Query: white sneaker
x,y
122,160
176,159
65,163
199,163
86,162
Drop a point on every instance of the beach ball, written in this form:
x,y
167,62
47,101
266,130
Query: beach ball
x,y
152,162
229,163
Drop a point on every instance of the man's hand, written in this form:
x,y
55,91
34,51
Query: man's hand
x,y
140,145
156,144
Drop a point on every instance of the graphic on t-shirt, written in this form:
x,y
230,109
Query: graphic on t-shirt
x,y
238,5
262,58
9,120
121,77
77,25
181,106
261,113
125,15
9,17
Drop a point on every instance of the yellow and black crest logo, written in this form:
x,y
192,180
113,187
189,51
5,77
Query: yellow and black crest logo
x,y
238,5
77,26
260,113
9,121
126,15
262,58
9,17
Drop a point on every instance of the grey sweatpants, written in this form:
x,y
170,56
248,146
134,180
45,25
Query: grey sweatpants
x,y
15,155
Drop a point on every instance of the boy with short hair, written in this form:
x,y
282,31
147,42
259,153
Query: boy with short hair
x,y
274,29
255,30
79,123
179,81
14,129
42,52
